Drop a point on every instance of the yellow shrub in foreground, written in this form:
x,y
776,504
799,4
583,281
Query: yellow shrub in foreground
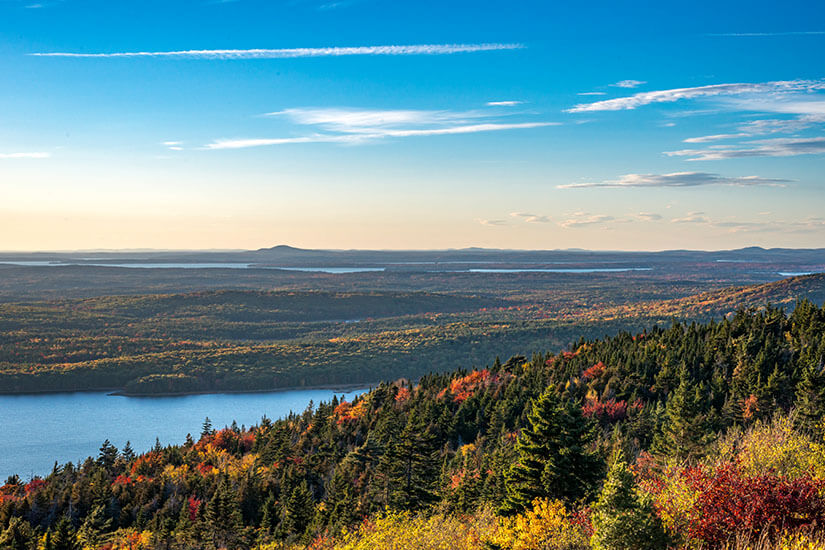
x,y
546,527
404,531
787,542
775,445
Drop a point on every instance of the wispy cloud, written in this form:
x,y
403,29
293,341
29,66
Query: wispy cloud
x,y
733,225
765,126
692,217
676,179
584,219
35,155
358,126
666,96
503,103
648,217
780,147
173,145
494,223
629,83
290,53
715,137
530,218
261,142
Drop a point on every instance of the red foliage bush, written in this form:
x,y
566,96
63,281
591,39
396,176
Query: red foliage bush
x,y
122,480
193,505
147,464
464,387
346,411
403,395
605,410
729,502
594,372
34,485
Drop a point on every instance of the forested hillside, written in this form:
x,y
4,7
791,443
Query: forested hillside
x,y
687,436
255,340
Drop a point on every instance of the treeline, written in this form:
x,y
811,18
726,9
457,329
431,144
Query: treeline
x,y
651,440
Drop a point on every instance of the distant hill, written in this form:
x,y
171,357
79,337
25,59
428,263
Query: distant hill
x,y
784,293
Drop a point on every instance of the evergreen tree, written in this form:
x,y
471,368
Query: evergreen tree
x,y
222,522
411,464
810,399
17,536
685,433
207,429
108,455
94,526
299,509
623,519
63,537
128,453
554,456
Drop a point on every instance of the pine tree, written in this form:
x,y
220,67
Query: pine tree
x,y
222,521
411,464
128,453
554,456
622,518
685,433
810,399
63,536
91,532
17,536
207,430
299,509
108,455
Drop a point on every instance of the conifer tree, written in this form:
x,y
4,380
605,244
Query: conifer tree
x,y
299,509
686,428
810,398
222,518
94,526
108,455
411,464
17,536
623,519
554,456
128,453
63,537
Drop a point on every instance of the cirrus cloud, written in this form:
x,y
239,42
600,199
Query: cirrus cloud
x,y
676,179
358,126
292,53
668,96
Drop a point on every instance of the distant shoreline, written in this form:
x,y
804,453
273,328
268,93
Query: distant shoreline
x,y
342,387
120,392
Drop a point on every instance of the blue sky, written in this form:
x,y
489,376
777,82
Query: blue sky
x,y
373,124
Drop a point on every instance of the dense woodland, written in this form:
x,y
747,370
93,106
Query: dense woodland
x,y
252,340
694,435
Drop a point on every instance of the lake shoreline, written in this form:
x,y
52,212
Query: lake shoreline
x,y
346,388
120,392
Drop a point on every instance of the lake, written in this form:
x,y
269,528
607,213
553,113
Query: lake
x,y
68,427
174,265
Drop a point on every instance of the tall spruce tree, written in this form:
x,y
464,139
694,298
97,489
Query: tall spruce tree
x,y
810,399
686,429
623,519
412,468
555,456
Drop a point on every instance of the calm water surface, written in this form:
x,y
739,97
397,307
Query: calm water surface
x,y
68,427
